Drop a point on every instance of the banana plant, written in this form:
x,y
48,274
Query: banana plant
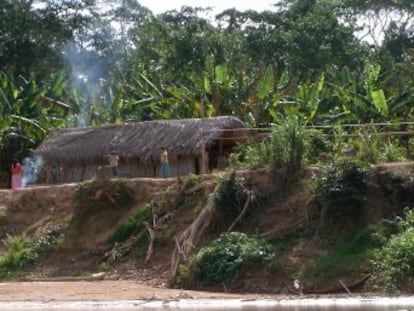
x,y
28,111
375,93
360,98
303,104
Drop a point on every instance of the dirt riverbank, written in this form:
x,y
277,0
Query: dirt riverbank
x,y
100,290
84,219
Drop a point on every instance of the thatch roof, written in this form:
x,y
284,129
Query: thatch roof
x,y
136,140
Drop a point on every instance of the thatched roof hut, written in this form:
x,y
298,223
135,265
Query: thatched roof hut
x,y
141,142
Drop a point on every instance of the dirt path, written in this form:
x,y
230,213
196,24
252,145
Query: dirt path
x,y
98,290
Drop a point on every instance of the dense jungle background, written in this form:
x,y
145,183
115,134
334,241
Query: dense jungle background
x,y
326,64
328,83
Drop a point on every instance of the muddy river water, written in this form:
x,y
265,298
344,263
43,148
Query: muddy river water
x,y
323,304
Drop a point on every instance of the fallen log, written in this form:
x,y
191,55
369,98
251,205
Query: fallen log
x,y
340,288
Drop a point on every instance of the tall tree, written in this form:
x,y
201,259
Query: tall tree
x,y
33,33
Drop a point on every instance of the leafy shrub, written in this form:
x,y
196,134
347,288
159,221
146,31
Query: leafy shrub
x,y
20,252
229,197
286,146
373,149
48,240
223,258
191,180
393,152
393,262
249,155
17,256
317,146
340,187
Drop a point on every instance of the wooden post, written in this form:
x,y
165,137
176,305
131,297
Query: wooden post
x,y
203,154
202,146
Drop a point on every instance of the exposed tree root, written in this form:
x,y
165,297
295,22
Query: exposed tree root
x,y
120,250
250,199
150,249
283,230
186,241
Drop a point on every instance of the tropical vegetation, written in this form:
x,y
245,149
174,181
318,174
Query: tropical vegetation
x,y
325,80
90,62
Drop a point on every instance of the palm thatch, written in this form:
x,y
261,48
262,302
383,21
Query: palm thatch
x,y
139,140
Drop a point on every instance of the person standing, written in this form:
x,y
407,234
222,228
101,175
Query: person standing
x,y
16,175
165,165
113,162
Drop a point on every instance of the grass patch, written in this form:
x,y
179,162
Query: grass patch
x,y
22,252
132,226
349,258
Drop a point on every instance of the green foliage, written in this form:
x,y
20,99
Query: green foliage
x,y
34,33
18,255
286,146
303,66
318,147
250,155
393,152
340,186
21,252
295,137
190,180
47,240
393,262
371,148
132,225
28,113
223,258
229,198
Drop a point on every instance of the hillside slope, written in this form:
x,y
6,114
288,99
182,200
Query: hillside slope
x,y
87,217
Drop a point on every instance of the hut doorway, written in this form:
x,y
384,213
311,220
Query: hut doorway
x,y
197,166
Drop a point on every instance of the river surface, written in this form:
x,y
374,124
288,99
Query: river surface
x,y
322,304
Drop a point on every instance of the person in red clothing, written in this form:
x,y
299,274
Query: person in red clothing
x,y
16,175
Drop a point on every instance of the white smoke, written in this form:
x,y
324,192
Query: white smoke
x,y
31,169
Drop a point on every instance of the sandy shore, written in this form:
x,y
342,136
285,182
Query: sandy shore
x,y
132,295
99,290
110,295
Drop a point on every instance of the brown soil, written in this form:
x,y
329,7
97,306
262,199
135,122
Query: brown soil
x,y
76,271
99,290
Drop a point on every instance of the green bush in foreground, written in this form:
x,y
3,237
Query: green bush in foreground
x,y
18,255
222,259
349,258
393,263
20,252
